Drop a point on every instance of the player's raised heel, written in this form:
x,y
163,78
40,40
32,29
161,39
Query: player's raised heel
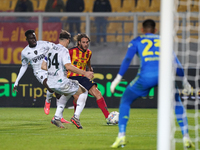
x,y
119,142
188,143
76,122
47,108
57,123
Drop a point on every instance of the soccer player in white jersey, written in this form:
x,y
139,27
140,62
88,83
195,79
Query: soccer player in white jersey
x,y
34,53
57,62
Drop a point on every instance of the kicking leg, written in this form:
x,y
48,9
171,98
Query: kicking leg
x,y
61,102
100,100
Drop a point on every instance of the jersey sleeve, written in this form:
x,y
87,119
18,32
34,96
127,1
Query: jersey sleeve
x,y
24,59
132,49
65,57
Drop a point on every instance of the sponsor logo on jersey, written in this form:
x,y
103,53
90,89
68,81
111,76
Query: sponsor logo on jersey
x,y
40,57
79,64
52,73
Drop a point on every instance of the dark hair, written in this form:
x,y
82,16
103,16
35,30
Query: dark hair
x,y
80,36
64,35
149,23
29,32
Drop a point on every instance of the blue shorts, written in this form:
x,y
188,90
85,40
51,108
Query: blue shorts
x,y
85,82
139,87
142,84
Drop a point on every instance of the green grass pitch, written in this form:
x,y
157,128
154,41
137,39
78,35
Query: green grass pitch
x,y
30,129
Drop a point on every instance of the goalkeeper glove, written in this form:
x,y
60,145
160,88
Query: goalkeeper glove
x,y
186,86
115,82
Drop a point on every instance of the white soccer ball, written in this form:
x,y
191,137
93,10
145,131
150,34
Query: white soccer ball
x,y
113,117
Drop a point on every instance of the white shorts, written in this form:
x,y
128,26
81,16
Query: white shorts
x,y
41,75
67,87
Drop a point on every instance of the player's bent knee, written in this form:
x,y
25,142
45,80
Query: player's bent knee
x,y
95,92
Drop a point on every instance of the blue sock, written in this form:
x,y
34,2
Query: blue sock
x,y
124,109
181,115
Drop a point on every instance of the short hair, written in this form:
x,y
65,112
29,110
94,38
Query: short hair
x,y
64,35
29,32
149,23
80,36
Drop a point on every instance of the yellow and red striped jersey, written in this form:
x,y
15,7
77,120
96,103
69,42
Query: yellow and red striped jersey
x,y
79,58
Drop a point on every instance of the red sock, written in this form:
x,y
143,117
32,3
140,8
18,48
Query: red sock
x,y
74,105
102,105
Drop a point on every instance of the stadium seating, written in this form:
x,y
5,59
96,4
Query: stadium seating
x,y
194,30
128,27
35,5
128,6
154,7
116,5
139,28
194,7
125,38
5,4
119,28
182,7
88,5
12,5
41,7
64,1
142,5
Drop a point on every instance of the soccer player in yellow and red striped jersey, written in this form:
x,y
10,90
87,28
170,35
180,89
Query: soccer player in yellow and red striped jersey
x,y
80,57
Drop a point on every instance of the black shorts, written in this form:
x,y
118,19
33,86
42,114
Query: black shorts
x,y
85,82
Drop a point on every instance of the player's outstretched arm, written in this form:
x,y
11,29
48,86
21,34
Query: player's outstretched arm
x,y
74,69
44,65
21,73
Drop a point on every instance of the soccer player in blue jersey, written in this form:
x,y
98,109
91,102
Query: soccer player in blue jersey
x,y
146,46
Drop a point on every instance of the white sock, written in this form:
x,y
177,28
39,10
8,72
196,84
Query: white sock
x,y
186,135
49,96
121,134
80,104
61,102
